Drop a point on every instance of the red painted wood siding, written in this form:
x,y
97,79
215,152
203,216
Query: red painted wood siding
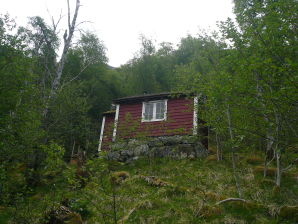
x,y
179,120
108,131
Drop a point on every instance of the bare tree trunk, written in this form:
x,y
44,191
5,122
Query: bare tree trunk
x,y
278,168
72,151
269,137
277,151
114,203
269,140
218,151
233,155
67,41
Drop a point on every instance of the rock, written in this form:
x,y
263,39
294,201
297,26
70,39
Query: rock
x,y
178,147
155,142
191,156
190,140
113,155
200,150
185,148
133,143
183,155
118,146
140,150
171,140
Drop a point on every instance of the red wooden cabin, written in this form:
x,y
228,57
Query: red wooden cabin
x,y
149,115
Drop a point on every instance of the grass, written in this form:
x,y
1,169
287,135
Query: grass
x,y
175,191
191,188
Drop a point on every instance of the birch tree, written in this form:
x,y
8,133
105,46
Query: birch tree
x,y
67,39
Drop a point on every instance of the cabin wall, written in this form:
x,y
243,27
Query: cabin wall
x,y
108,131
179,120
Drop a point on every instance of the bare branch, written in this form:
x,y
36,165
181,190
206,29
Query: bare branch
x,y
289,166
68,14
83,22
230,199
74,78
55,24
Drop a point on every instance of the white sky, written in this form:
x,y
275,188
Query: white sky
x,y
119,23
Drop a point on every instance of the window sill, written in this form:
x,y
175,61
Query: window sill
x,y
153,120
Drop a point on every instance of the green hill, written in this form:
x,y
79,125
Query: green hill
x,y
188,191
167,191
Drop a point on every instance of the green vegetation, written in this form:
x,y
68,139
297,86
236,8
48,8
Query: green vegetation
x,y
161,191
246,79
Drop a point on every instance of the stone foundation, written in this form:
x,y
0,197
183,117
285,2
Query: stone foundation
x,y
178,147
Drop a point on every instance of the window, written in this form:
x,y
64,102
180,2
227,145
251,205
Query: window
x,y
154,111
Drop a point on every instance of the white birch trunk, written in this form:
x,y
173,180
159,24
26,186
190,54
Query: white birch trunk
x,y
67,42
233,155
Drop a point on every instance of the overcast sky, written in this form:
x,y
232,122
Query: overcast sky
x,y
119,23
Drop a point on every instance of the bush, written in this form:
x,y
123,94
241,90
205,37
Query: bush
x,y
119,177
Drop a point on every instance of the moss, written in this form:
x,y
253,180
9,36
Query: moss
x,y
210,211
289,212
267,182
114,165
154,181
176,190
211,196
74,218
211,158
212,150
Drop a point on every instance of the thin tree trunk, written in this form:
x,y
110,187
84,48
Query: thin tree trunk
x,y
114,204
278,168
218,151
233,155
67,41
277,152
269,140
73,147
269,137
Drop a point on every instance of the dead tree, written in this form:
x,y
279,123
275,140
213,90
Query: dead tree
x,y
67,38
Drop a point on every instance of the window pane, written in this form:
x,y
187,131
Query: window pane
x,y
160,109
148,114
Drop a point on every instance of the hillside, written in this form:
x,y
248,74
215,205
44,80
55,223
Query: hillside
x,y
163,191
186,191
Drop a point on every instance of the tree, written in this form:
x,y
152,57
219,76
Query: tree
x,y
266,44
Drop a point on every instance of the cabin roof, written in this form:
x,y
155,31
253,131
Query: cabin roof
x,y
146,97
109,112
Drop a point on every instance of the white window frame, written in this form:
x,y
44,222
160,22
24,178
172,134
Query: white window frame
x,y
154,110
116,122
101,132
195,115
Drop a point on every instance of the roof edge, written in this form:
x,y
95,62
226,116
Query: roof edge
x,y
154,96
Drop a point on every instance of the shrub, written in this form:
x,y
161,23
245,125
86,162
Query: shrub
x,y
119,177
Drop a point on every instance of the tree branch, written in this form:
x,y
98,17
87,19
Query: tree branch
x,y
230,199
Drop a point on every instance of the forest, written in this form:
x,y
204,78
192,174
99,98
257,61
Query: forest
x,y
51,102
